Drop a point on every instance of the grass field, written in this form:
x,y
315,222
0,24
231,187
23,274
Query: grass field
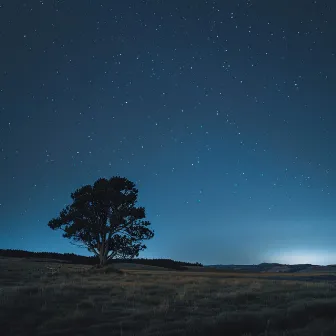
x,y
38,298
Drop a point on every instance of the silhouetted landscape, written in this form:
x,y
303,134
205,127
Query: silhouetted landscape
x,y
51,295
116,292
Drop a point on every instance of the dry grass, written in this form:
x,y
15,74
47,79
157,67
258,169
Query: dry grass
x,y
76,300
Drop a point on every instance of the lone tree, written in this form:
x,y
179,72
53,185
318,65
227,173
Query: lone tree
x,y
104,219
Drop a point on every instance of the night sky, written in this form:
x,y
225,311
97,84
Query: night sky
x,y
222,112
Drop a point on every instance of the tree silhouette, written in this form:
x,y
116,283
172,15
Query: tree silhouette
x,y
104,219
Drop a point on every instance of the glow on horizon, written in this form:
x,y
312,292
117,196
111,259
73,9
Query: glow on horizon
x,y
302,257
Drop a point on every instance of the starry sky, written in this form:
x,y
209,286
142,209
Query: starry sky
x,y
221,112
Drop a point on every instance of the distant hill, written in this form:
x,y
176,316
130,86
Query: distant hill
x,y
78,259
275,268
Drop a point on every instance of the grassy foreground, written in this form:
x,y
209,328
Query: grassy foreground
x,y
38,298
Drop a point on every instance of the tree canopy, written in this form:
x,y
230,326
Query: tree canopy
x,y
104,218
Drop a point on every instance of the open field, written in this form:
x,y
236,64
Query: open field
x,y
42,298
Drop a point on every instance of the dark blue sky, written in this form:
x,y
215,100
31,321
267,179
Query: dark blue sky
x,y
222,113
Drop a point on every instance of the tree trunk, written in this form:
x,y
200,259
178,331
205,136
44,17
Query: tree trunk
x,y
102,260
102,257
